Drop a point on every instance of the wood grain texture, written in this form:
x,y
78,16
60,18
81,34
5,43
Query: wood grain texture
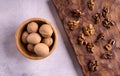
x,y
106,67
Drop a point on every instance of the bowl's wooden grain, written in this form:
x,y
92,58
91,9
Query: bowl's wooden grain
x,y
22,47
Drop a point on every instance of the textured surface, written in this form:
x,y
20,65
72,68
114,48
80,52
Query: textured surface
x,y
106,67
60,63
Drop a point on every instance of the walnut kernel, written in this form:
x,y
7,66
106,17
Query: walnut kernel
x,y
89,30
107,55
90,47
92,65
107,23
73,24
48,41
76,13
90,4
97,18
30,47
108,47
105,11
111,42
81,39
100,36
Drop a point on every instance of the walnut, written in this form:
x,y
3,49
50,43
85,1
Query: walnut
x,y
107,55
30,47
41,49
73,24
107,23
76,13
46,30
81,39
100,36
24,37
82,36
34,38
90,4
90,47
48,41
93,65
105,11
85,42
111,42
32,27
108,47
96,18
89,30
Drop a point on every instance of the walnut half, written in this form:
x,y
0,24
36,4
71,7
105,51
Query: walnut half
x,y
105,11
97,18
89,30
73,24
107,55
90,4
93,65
81,39
100,37
111,42
90,47
76,13
108,47
107,23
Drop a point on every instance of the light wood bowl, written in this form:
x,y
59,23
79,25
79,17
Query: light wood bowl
x,y
22,47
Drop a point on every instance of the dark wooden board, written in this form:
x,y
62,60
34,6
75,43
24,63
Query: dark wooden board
x,y
105,67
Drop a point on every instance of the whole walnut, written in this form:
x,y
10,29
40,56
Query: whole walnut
x,y
30,47
48,41
24,37
32,27
41,49
46,30
33,38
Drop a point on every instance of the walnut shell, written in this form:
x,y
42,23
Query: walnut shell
x,y
30,47
41,49
32,27
33,38
46,30
24,37
48,41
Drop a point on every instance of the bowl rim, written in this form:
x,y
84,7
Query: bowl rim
x,y
21,27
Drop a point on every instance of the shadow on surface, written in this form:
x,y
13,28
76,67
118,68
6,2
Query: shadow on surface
x,y
65,38
10,48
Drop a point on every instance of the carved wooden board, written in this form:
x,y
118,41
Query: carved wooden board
x,y
93,28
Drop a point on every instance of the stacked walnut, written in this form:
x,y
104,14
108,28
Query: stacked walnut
x,y
38,38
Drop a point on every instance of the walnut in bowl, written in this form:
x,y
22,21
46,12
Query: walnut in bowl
x,y
30,38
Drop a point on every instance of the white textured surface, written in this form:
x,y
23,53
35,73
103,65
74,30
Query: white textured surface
x,y
61,62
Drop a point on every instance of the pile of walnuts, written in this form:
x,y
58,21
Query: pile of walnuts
x,y
38,38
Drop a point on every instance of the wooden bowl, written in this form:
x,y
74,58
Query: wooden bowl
x,y
22,47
